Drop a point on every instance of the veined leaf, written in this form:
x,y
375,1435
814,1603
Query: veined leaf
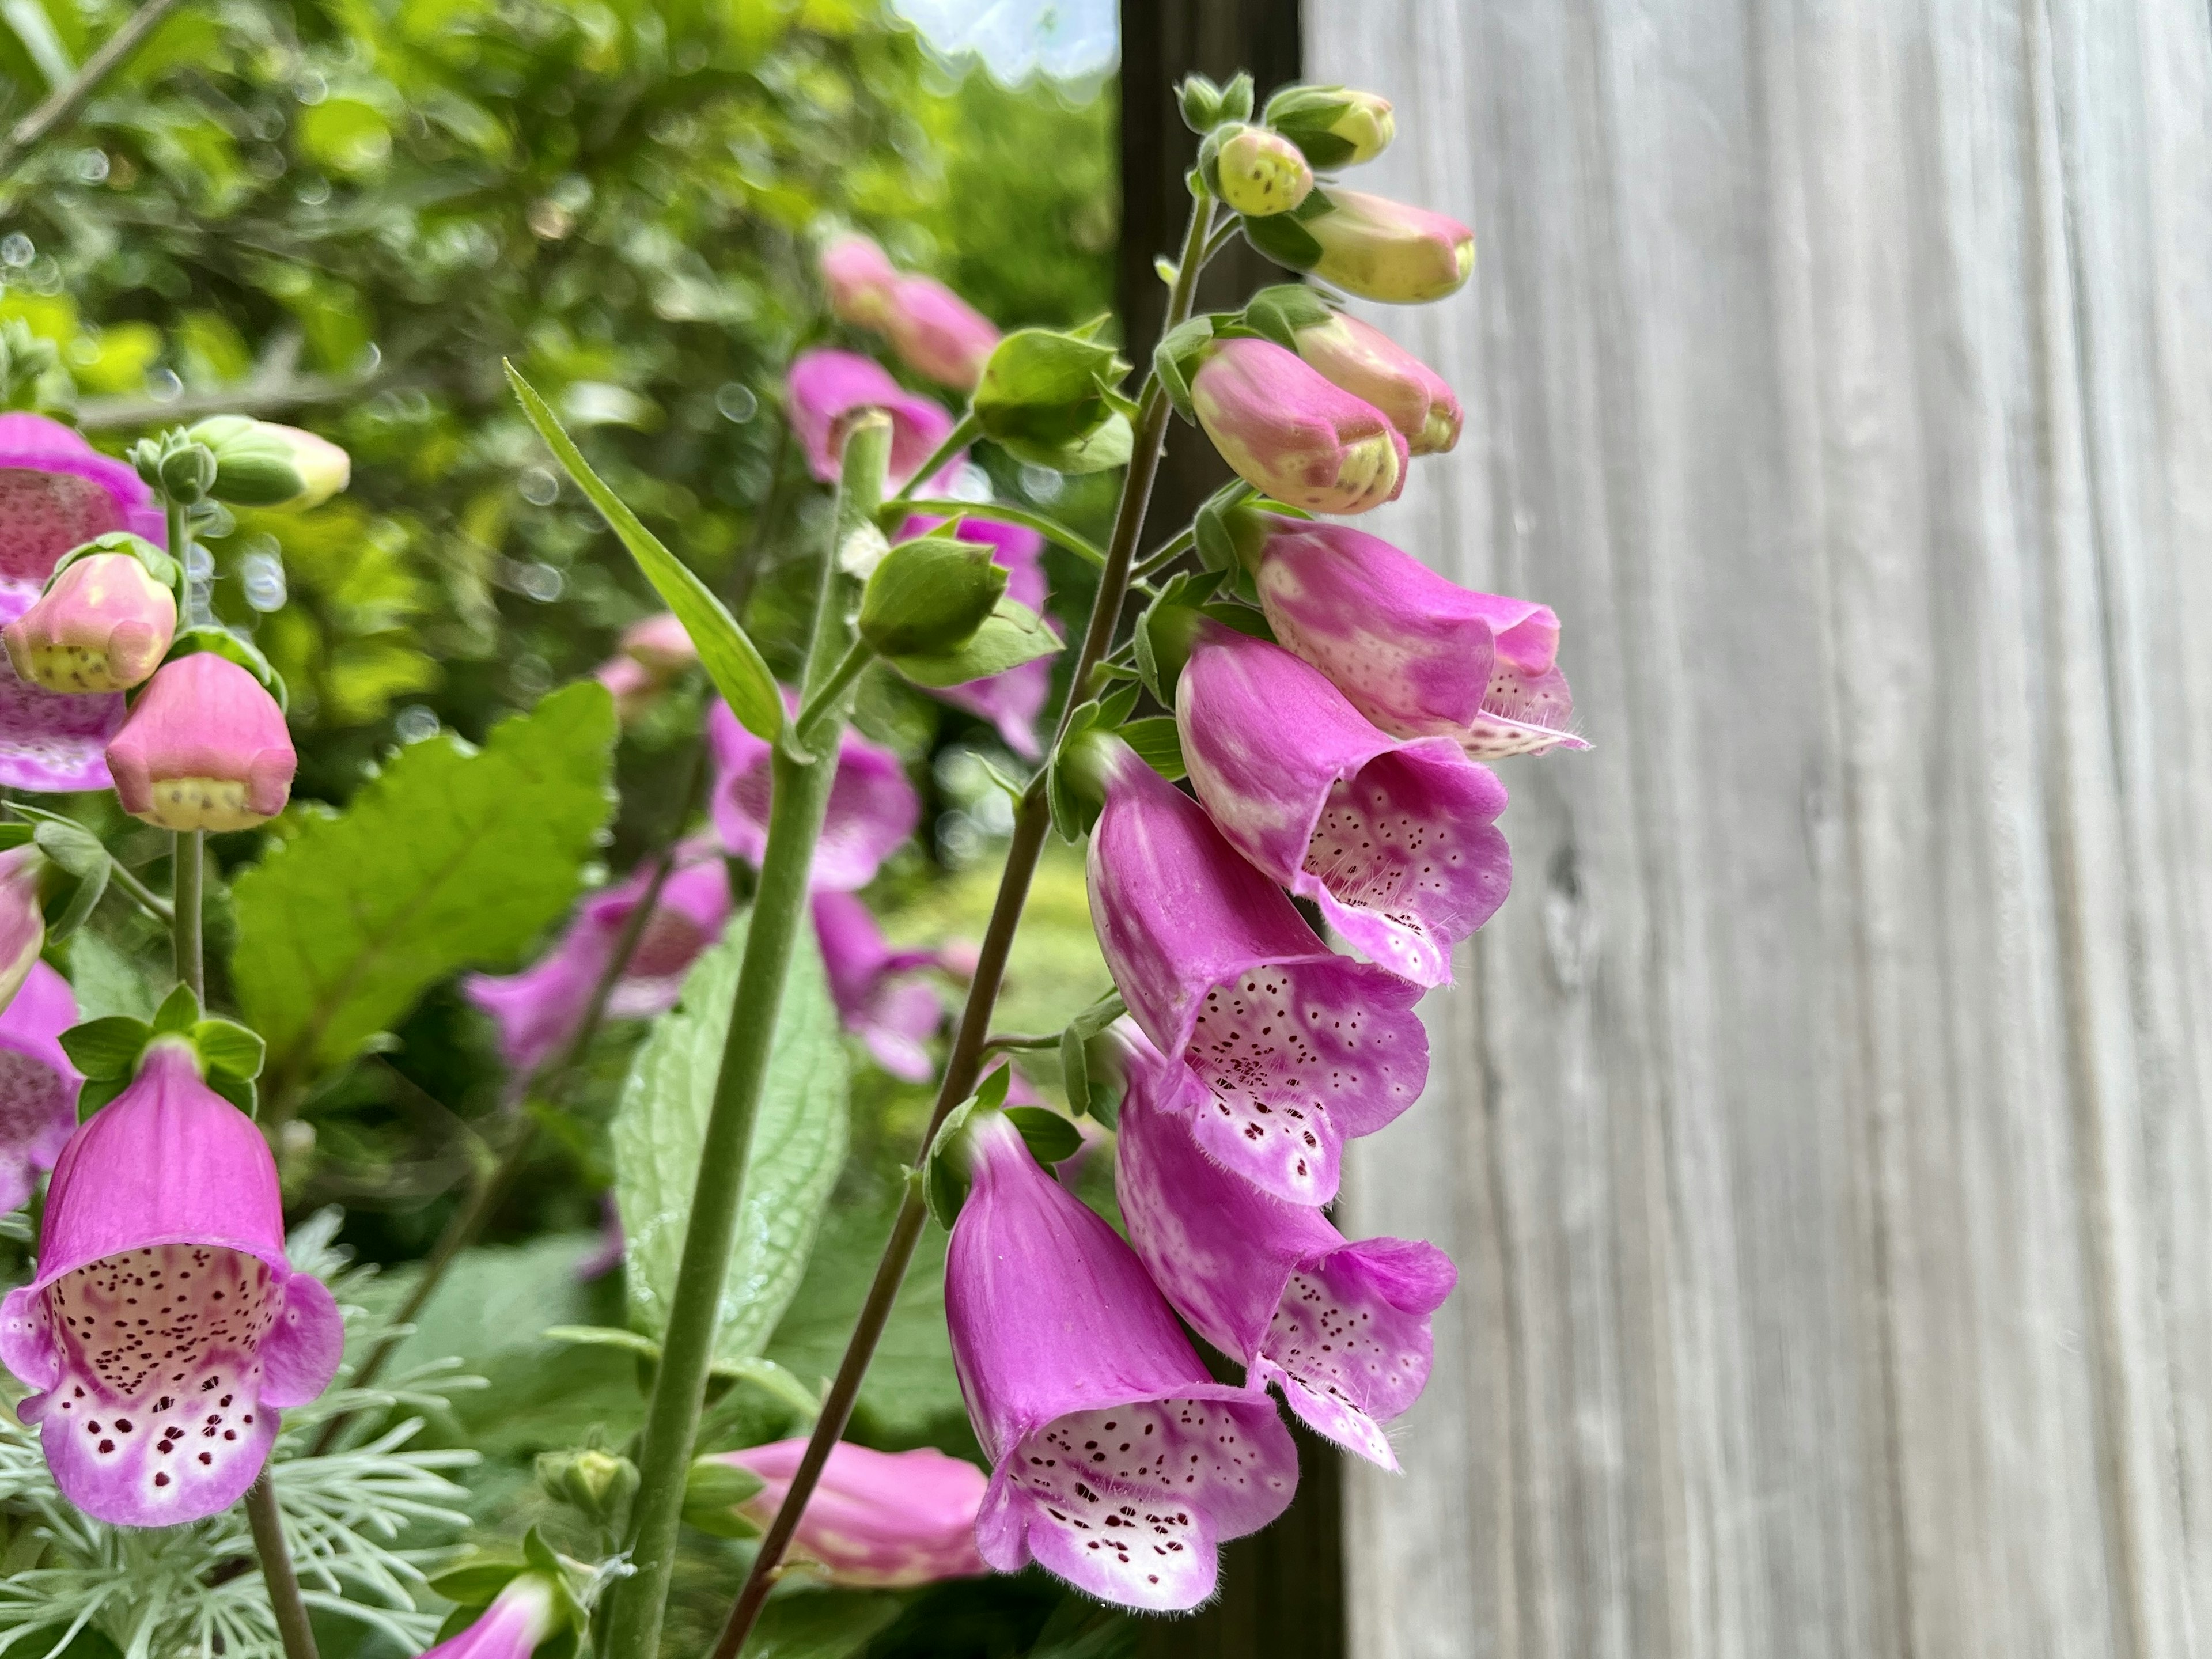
x,y
451,857
798,1146
731,659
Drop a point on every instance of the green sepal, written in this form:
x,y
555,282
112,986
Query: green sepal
x,y
1235,105
1107,446
1282,237
1049,1137
213,636
1305,115
158,565
239,1091
1046,394
253,466
944,1185
106,1050
931,596
226,1047
1163,632
712,1492
735,665
1070,800
475,1585
1075,1070
1159,744
1200,100
95,1095
1176,358
70,845
1077,1040
1010,636
178,1012
13,836
1278,314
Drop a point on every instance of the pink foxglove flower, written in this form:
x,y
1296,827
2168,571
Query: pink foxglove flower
x,y
1371,366
1117,1462
859,277
205,747
937,334
1389,251
1417,654
1342,1329
651,652
1285,430
1395,839
872,807
1012,701
827,389
103,626
877,1520
880,993
38,1085
539,1009
525,1613
22,921
1296,1048
165,1328
57,492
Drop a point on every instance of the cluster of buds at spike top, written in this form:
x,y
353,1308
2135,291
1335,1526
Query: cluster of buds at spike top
x,y
877,1521
166,1199
205,747
1285,430
935,332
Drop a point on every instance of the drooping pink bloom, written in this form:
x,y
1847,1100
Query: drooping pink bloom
x,y
1117,1461
827,389
877,1520
859,277
165,1328
1371,366
538,1010
881,993
22,921
872,807
525,1613
937,334
103,626
1395,839
1011,701
205,747
1342,1329
651,652
1296,1048
37,1086
1285,429
57,492
1389,251
1417,654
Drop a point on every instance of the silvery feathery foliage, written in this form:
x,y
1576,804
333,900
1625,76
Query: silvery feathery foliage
x,y
365,1524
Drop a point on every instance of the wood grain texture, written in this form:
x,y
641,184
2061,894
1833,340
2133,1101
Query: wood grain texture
x,y
1822,1128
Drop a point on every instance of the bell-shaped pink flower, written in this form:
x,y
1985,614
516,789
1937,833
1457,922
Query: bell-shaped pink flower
x,y
937,334
1389,251
1342,1329
22,919
57,492
872,807
165,1328
860,277
826,390
1417,654
1368,364
1012,701
205,747
1285,430
1296,1049
880,993
37,1086
1117,1462
877,1520
525,1613
1395,839
651,652
539,1009
104,625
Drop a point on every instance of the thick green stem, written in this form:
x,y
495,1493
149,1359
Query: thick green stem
x,y
188,861
268,1525
1032,821
800,795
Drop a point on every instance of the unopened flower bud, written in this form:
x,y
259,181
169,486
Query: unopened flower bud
x,y
878,1521
660,643
936,333
859,278
181,468
205,747
1384,249
1258,173
599,1483
260,464
1371,366
1287,431
929,596
104,625
528,1610
1336,126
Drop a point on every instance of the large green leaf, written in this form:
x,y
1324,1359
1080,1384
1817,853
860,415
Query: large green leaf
x,y
797,1147
821,1623
452,856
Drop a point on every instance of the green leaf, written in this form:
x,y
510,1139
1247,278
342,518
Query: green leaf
x,y
1048,1136
829,1624
1010,635
73,847
226,1046
1159,744
1108,446
474,1583
731,660
180,1011
797,1147
104,1049
450,857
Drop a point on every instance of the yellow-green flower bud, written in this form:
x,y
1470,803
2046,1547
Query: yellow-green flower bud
x,y
929,596
1258,172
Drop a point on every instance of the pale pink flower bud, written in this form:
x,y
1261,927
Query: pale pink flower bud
x,y
860,277
1285,430
205,747
1371,366
103,626
937,333
660,643
1384,249
877,1520
1262,173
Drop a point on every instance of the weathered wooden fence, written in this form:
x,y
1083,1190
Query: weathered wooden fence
x,y
1822,1129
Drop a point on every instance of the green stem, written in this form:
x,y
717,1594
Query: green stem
x,y
62,104
818,703
268,1525
1167,554
1012,1040
1031,822
188,863
143,895
964,432
1051,529
800,795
